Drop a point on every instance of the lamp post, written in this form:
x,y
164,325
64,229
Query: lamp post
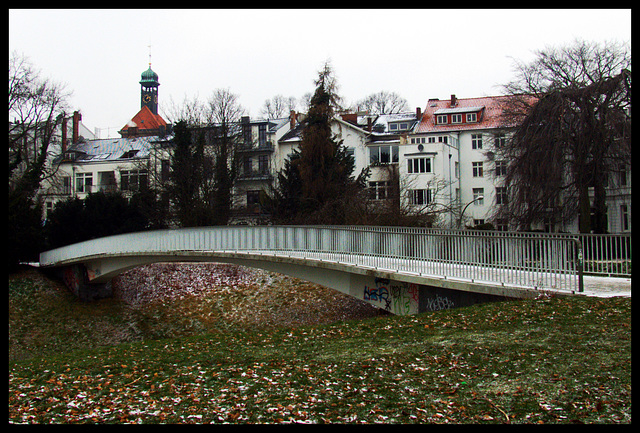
x,y
480,197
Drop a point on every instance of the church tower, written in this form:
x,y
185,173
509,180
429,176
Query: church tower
x,y
149,90
147,122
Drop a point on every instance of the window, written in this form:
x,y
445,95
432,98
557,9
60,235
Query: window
x,y
48,209
478,222
476,141
477,193
262,134
432,139
379,190
419,196
456,118
501,195
263,164
247,166
253,202
441,119
350,151
398,126
501,225
624,217
129,154
622,176
501,168
457,169
443,139
107,181
383,154
165,170
84,181
66,185
477,169
246,134
472,117
132,180
499,140
419,165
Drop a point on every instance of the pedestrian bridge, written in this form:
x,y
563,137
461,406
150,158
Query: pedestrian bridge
x,y
402,270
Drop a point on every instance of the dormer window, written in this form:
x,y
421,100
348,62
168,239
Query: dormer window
x,y
129,154
458,115
402,126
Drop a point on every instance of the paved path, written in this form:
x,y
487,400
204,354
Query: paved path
x,y
607,287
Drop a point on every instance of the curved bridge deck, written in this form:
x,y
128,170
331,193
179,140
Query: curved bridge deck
x,y
352,259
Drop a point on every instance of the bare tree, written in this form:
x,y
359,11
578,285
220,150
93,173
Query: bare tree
x,y
278,106
204,160
190,110
405,203
383,103
226,113
571,111
36,108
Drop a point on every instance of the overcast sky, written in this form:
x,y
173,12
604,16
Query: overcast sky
x,y
417,53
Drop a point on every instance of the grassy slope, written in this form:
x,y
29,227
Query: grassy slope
x,y
554,360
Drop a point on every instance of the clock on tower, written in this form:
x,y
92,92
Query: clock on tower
x,y
149,90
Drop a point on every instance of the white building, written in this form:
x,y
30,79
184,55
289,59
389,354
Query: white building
x,y
442,159
459,133
86,165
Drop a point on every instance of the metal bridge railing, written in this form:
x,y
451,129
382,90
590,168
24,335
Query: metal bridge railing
x,y
540,260
608,254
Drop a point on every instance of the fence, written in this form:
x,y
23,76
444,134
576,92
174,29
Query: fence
x,y
608,254
538,260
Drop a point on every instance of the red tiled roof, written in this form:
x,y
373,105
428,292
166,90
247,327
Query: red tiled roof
x,y
488,117
145,119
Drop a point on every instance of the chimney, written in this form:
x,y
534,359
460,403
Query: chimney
x,y
292,119
418,113
350,117
77,117
64,133
369,124
454,101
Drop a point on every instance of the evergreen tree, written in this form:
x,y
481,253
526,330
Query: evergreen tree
x,y
284,201
188,168
100,214
316,184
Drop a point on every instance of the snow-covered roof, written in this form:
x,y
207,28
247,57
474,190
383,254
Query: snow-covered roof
x,y
111,149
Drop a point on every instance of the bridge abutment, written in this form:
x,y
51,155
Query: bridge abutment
x,y
76,278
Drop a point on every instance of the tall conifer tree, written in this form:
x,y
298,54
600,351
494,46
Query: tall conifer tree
x,y
322,166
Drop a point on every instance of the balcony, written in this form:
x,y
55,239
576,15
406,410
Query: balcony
x,y
255,147
255,175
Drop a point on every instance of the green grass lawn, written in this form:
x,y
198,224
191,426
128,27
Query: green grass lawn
x,y
557,360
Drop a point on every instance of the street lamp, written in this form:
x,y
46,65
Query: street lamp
x,y
480,197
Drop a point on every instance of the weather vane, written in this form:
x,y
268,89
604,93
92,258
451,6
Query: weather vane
x,y
149,46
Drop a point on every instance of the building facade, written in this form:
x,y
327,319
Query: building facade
x,y
442,160
86,165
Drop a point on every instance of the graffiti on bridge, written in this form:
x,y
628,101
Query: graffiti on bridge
x,y
393,296
439,303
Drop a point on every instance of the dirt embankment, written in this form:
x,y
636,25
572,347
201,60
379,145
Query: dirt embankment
x,y
240,295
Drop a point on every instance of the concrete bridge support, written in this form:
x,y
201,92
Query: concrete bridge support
x,y
76,278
